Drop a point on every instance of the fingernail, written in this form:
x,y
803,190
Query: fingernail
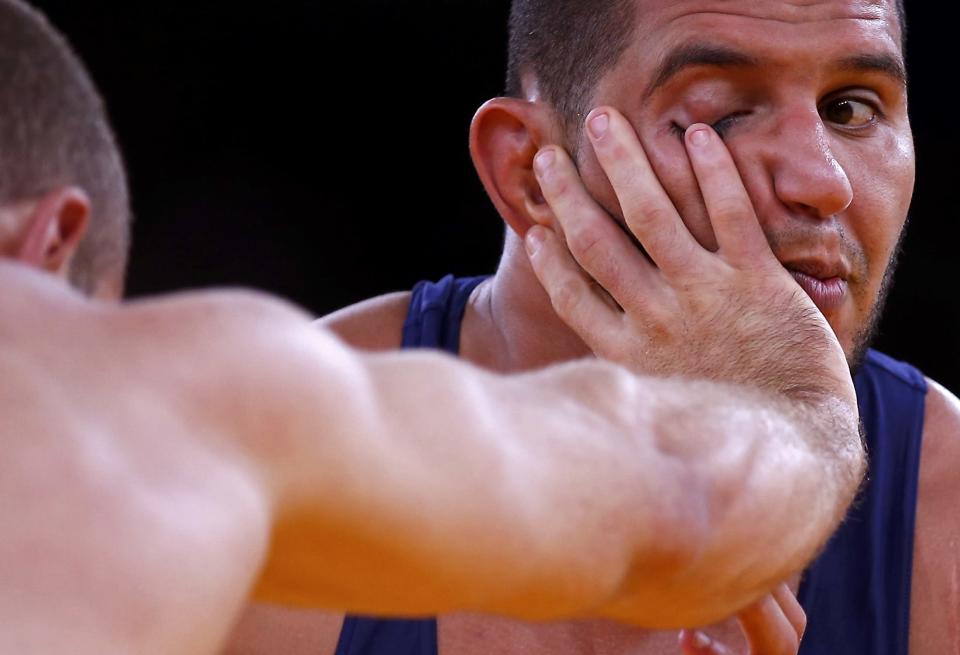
x,y
700,640
699,137
533,241
544,160
598,125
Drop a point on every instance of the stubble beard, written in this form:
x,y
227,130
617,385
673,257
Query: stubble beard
x,y
868,332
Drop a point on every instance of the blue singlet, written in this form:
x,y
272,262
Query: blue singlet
x,y
856,595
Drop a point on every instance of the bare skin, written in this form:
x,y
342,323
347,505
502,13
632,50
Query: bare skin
x,y
746,269
773,625
160,454
825,153
710,290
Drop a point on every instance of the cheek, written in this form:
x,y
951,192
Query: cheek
x,y
883,189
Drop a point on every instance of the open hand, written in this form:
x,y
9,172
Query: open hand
x,y
734,315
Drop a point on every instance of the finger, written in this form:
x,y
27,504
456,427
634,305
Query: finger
x,y
792,609
596,242
731,211
694,642
574,297
647,209
767,629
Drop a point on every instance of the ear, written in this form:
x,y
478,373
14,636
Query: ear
x,y
54,228
505,136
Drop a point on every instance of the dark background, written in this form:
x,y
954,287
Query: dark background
x,y
318,149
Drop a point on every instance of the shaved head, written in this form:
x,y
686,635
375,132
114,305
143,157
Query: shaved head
x,y
54,132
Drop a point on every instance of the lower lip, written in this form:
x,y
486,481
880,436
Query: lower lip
x,y
826,294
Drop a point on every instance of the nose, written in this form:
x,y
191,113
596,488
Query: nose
x,y
807,178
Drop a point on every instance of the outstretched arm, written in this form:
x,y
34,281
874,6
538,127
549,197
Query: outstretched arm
x,y
160,455
581,489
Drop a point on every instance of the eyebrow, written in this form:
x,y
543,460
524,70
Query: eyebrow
x,y
882,63
705,54
697,54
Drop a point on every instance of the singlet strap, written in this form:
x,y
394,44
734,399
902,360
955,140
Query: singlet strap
x,y
433,321
371,636
436,313
857,593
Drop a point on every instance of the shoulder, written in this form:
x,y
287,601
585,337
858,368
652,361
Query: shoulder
x,y
264,628
375,324
941,434
879,366
935,613
206,320
940,447
939,460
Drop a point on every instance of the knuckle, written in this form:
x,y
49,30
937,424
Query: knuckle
x,y
661,332
730,208
586,244
666,242
653,213
567,297
656,327
614,151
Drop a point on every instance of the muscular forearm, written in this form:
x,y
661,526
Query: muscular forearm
x,y
774,477
442,488
402,484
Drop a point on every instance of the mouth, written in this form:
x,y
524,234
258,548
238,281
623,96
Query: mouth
x,y
825,284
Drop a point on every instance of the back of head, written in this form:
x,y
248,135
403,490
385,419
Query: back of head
x,y
54,132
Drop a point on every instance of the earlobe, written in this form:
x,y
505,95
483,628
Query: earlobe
x,y
505,136
54,229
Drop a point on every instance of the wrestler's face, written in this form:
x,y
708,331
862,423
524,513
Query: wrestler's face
x,y
811,101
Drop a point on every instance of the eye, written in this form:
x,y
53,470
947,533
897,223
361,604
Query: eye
x,y
721,127
850,113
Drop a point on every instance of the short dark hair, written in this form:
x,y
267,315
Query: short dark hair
x,y
570,44
54,131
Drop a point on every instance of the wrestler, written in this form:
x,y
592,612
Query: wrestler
x,y
157,454
811,100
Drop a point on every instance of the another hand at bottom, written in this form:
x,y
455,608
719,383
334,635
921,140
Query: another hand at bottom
x,y
772,626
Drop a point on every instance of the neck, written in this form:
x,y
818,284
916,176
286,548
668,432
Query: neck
x,y
511,325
